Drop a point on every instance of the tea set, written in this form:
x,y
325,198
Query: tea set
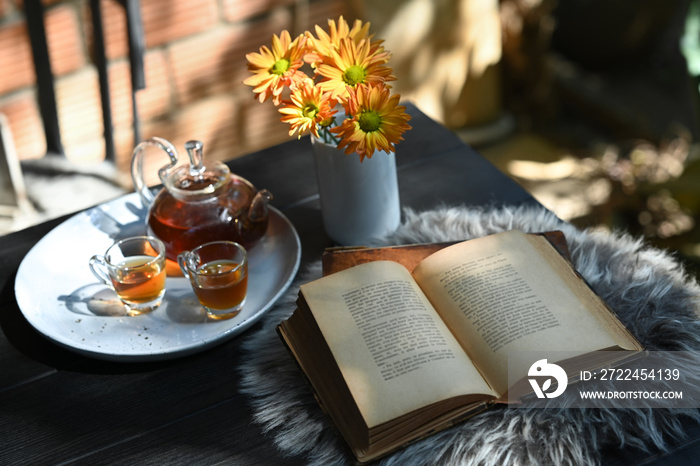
x,y
204,218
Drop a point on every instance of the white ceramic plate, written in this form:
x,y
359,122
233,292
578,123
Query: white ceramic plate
x,y
61,298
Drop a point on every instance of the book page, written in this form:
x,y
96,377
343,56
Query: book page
x,y
500,296
395,353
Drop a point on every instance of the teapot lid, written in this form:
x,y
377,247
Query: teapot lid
x,y
195,180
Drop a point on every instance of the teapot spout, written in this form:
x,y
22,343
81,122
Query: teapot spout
x,y
257,212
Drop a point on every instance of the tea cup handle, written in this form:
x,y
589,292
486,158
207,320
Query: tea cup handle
x,y
182,262
98,266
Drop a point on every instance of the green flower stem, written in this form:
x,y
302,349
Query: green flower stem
x,y
327,136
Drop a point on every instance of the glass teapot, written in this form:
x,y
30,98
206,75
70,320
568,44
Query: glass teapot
x,y
199,203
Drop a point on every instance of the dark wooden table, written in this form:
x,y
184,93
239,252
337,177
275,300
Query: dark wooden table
x,y
59,407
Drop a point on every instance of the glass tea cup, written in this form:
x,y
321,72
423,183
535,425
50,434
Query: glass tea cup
x,y
135,269
218,272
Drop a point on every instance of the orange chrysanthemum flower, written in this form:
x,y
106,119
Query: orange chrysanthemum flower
x,y
276,68
322,45
307,109
349,68
351,65
377,122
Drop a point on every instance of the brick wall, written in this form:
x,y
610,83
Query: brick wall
x,y
195,65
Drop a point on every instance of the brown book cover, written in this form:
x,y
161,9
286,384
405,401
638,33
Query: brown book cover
x,y
409,255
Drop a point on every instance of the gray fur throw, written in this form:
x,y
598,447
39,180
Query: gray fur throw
x,y
646,287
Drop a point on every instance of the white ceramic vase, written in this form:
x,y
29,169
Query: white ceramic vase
x,y
359,200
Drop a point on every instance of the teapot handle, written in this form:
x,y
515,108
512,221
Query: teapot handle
x,y
137,166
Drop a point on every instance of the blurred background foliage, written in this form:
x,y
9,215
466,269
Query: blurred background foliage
x,y
604,101
592,105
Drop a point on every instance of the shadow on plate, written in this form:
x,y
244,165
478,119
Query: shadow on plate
x,y
108,224
96,299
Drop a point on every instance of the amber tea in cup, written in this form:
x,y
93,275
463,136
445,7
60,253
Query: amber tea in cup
x,y
135,269
218,272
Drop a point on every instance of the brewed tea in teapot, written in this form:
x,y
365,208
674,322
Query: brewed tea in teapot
x,y
199,203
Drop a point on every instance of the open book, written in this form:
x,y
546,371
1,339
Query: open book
x,y
394,355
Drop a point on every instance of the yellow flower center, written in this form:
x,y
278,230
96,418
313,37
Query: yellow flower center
x,y
370,121
354,75
280,67
310,111
327,122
